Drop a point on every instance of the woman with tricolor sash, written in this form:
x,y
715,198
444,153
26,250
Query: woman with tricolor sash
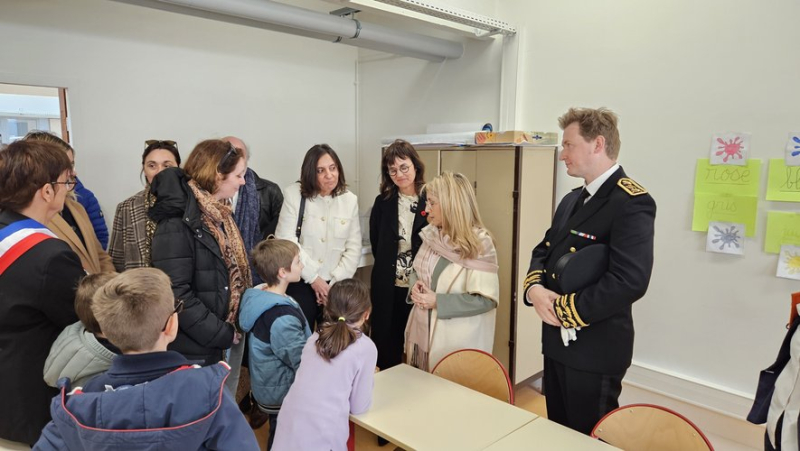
x,y
38,276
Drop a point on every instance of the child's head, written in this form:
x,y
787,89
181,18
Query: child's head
x,y
347,308
276,260
135,308
83,299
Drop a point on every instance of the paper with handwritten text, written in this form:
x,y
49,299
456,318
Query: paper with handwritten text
x,y
722,179
713,207
783,227
784,181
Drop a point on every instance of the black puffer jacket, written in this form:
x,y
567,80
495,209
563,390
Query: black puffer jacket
x,y
271,203
185,250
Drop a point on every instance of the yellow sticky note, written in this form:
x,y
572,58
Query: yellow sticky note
x,y
784,181
712,207
720,178
783,227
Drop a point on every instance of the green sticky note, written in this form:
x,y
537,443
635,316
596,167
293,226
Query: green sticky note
x,y
723,178
784,181
710,207
783,227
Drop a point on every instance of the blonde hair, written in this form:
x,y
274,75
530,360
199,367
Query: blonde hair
x,y
460,215
133,307
269,256
87,287
593,123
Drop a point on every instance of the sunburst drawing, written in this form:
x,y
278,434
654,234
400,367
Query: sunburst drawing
x,y
789,262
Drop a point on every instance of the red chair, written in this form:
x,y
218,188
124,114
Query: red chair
x,y
647,427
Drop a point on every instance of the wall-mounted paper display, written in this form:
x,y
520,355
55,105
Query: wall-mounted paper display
x,y
789,262
783,227
784,181
792,157
730,148
713,207
725,238
722,179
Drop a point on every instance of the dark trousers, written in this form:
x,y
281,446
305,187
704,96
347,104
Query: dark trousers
x,y
307,298
390,340
579,399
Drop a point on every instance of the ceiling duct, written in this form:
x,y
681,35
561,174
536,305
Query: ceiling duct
x,y
339,29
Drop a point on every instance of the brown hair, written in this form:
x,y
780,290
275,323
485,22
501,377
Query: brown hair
x,y
308,171
593,123
25,167
208,158
269,256
40,135
403,150
83,298
348,300
133,307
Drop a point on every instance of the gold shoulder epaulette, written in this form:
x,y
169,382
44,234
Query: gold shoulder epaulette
x,y
631,187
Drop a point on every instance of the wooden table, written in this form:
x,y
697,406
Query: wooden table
x,y
546,434
419,411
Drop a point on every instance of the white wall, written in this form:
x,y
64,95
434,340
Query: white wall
x,y
136,73
401,96
676,72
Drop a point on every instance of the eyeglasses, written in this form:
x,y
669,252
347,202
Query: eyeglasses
x,y
70,183
231,151
404,168
178,309
160,143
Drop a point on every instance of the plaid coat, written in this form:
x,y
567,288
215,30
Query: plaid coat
x,y
128,244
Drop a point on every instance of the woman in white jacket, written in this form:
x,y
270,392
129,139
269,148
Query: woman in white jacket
x,y
327,230
455,287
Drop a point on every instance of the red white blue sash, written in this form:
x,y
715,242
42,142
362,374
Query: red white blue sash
x,y
19,237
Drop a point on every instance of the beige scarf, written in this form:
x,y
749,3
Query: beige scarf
x,y
435,245
219,220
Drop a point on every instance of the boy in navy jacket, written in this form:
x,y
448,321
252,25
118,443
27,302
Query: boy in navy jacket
x,y
150,398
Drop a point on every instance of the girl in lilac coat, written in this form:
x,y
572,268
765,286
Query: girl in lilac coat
x,y
335,375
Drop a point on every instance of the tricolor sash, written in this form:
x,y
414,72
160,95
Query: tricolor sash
x,y
19,237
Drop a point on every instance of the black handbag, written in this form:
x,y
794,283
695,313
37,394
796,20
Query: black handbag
x,y
767,378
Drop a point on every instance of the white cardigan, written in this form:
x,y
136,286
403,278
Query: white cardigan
x,y
330,241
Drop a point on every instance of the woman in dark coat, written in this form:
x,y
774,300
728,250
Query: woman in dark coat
x,y
198,245
38,276
394,224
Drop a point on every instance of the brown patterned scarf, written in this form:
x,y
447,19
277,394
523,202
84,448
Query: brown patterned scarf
x,y
219,220
149,224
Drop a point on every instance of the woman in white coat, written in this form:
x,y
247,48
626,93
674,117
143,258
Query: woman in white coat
x,y
321,215
455,287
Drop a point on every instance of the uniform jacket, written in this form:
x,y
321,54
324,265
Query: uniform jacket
x,y
128,246
93,258
621,214
384,237
182,407
330,242
77,355
92,206
37,295
277,331
271,203
185,250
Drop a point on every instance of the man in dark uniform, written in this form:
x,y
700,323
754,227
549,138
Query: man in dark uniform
x,y
587,335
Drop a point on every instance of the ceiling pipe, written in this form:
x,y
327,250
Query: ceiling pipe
x,y
340,29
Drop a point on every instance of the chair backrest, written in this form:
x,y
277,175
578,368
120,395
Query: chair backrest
x,y
651,428
477,370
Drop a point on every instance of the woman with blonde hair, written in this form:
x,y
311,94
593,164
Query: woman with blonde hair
x,y
455,287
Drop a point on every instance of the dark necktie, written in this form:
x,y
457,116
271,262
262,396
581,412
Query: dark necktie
x,y
581,200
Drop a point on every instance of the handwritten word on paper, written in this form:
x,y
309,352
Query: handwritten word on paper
x,y
784,181
712,207
783,227
725,179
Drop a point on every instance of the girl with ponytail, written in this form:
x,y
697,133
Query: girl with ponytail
x,y
335,375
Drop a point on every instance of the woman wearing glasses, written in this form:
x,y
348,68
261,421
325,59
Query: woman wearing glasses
x,y
321,215
198,245
73,224
132,233
38,277
394,224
